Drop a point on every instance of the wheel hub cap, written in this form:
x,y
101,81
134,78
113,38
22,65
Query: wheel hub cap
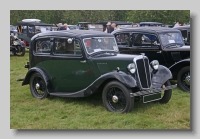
x,y
37,85
115,99
187,79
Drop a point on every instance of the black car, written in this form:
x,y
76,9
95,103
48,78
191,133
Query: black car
x,y
13,29
79,63
163,44
185,30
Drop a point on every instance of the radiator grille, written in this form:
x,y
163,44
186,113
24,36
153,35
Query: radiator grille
x,y
143,72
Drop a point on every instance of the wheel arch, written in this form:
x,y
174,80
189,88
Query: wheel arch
x,y
178,66
42,73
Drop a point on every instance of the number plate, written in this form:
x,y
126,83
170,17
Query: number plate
x,y
151,97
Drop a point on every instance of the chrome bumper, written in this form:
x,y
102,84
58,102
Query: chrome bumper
x,y
152,91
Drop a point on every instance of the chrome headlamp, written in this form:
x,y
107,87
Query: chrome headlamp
x,y
131,68
154,64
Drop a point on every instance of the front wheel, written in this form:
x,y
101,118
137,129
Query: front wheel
x,y
38,86
184,79
116,97
166,94
20,51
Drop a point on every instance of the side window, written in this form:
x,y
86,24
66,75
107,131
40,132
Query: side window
x,y
43,46
145,40
184,35
67,47
123,39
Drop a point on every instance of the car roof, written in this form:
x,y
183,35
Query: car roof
x,y
116,22
33,24
74,33
146,29
153,23
84,22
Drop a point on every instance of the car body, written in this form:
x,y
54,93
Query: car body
x,y
26,30
151,24
185,30
83,25
13,29
80,63
73,27
158,43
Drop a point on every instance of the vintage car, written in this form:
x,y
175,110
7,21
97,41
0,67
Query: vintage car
x,y
79,63
83,25
185,30
26,30
158,43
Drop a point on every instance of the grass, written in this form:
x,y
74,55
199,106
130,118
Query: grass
x,y
27,112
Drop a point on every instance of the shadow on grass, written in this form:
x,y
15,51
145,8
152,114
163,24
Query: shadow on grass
x,y
96,100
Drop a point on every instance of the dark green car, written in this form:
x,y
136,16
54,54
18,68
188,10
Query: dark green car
x,y
79,63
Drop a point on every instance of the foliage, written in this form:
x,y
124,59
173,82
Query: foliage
x,y
75,16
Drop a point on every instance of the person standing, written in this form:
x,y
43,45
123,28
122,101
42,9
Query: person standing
x,y
109,28
114,26
177,24
66,26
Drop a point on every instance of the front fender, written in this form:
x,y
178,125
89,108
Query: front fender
x,y
160,76
126,79
43,74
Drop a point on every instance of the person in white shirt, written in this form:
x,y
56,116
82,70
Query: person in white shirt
x,y
114,26
66,26
177,24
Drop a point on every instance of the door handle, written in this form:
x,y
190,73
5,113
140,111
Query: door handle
x,y
84,61
159,52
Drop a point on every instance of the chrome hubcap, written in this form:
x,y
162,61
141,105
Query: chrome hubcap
x,y
187,79
115,99
37,86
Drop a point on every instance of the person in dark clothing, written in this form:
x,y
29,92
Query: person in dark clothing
x,y
62,28
109,28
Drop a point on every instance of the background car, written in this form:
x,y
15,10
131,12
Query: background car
x,y
185,30
163,44
73,27
13,29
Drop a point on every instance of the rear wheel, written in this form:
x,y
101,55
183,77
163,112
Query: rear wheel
x,y
20,51
184,79
116,98
38,86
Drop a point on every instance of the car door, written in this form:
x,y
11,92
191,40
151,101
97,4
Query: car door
x,y
145,43
66,65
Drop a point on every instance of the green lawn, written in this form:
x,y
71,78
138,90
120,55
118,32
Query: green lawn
x,y
27,112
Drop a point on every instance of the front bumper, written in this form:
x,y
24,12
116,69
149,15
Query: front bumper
x,y
152,91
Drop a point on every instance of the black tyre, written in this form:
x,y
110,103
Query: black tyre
x,y
116,97
38,86
166,94
20,51
183,79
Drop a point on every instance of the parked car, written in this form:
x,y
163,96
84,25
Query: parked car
x,y
158,43
83,25
151,24
185,30
13,29
26,30
17,47
79,63
73,27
